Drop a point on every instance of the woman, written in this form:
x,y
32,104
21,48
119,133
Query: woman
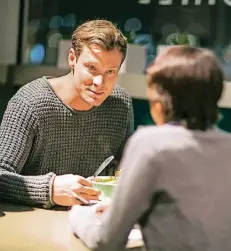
x,y
176,176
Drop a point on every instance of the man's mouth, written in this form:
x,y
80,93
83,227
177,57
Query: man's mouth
x,y
96,92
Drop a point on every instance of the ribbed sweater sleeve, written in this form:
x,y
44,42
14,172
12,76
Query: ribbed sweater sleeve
x,y
17,133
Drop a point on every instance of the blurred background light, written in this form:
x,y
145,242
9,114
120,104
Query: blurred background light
x,y
132,24
55,22
144,1
53,41
69,20
37,54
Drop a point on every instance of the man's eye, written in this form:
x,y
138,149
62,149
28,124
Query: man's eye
x,y
111,72
91,67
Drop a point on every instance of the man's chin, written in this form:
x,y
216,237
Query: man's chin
x,y
94,102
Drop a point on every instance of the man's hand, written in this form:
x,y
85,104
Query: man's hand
x,y
64,184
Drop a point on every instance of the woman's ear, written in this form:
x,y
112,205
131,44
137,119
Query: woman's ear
x,y
71,58
156,107
157,113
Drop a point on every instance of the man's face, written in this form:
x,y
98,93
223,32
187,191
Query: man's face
x,y
95,73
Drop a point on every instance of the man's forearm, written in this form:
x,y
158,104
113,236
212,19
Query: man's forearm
x,y
31,190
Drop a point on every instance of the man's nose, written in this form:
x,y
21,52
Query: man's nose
x,y
98,80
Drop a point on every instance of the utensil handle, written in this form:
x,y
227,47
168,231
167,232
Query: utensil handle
x,y
81,199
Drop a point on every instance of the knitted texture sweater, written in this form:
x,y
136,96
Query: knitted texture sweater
x,y
41,137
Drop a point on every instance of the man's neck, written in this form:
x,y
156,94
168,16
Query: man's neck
x,y
64,89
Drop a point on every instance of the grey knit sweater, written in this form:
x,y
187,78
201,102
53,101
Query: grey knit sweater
x,y
40,137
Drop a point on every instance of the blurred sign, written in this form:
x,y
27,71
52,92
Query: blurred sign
x,y
195,2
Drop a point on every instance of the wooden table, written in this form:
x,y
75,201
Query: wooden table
x,y
24,228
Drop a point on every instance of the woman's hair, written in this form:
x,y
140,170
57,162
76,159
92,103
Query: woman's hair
x,y
188,81
100,32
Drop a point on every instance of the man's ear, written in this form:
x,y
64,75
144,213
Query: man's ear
x,y
71,58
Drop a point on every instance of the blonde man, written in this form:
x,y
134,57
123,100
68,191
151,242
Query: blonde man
x,y
56,131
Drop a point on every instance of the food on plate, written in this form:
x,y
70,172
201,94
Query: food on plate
x,y
106,179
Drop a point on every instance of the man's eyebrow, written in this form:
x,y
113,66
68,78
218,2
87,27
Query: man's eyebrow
x,y
114,66
97,64
91,62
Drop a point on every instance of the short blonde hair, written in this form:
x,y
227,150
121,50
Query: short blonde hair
x,y
101,32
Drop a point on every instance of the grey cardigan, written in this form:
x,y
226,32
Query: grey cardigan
x,y
176,184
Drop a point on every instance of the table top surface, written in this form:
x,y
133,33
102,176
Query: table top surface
x,y
24,228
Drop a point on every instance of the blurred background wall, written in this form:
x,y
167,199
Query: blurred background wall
x,y
9,28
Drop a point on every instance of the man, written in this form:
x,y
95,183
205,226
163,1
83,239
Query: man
x,y
175,179
55,129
